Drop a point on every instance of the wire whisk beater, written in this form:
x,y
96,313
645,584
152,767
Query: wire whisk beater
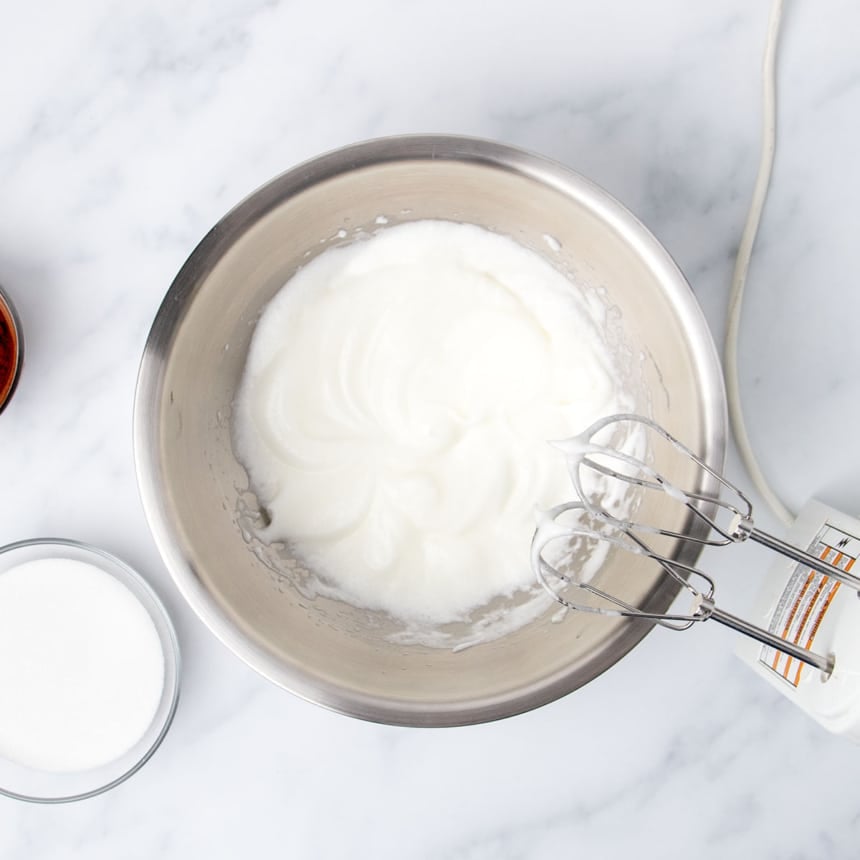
x,y
714,512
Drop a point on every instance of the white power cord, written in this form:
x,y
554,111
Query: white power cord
x,y
742,264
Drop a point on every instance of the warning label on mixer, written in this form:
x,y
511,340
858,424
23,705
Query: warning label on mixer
x,y
805,600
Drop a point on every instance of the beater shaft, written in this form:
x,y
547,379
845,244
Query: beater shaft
x,y
798,555
817,661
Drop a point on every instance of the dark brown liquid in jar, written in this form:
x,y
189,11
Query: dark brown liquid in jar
x,y
9,352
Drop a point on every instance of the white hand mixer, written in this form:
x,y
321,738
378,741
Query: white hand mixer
x,y
588,520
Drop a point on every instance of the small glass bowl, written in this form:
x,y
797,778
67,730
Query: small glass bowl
x,y
24,783
10,318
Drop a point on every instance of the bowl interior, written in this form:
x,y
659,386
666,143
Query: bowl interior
x,y
197,495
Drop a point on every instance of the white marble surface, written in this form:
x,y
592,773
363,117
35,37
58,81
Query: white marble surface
x,y
128,129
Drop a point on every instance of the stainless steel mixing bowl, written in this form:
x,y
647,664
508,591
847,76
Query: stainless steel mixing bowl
x,y
196,494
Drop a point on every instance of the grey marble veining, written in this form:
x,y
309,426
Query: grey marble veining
x,y
130,128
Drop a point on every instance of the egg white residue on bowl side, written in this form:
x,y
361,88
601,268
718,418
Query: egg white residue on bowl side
x,y
394,416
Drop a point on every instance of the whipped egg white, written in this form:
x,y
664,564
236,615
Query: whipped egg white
x,y
395,409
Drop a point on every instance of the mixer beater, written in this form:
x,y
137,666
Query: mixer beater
x,y
585,452
710,520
